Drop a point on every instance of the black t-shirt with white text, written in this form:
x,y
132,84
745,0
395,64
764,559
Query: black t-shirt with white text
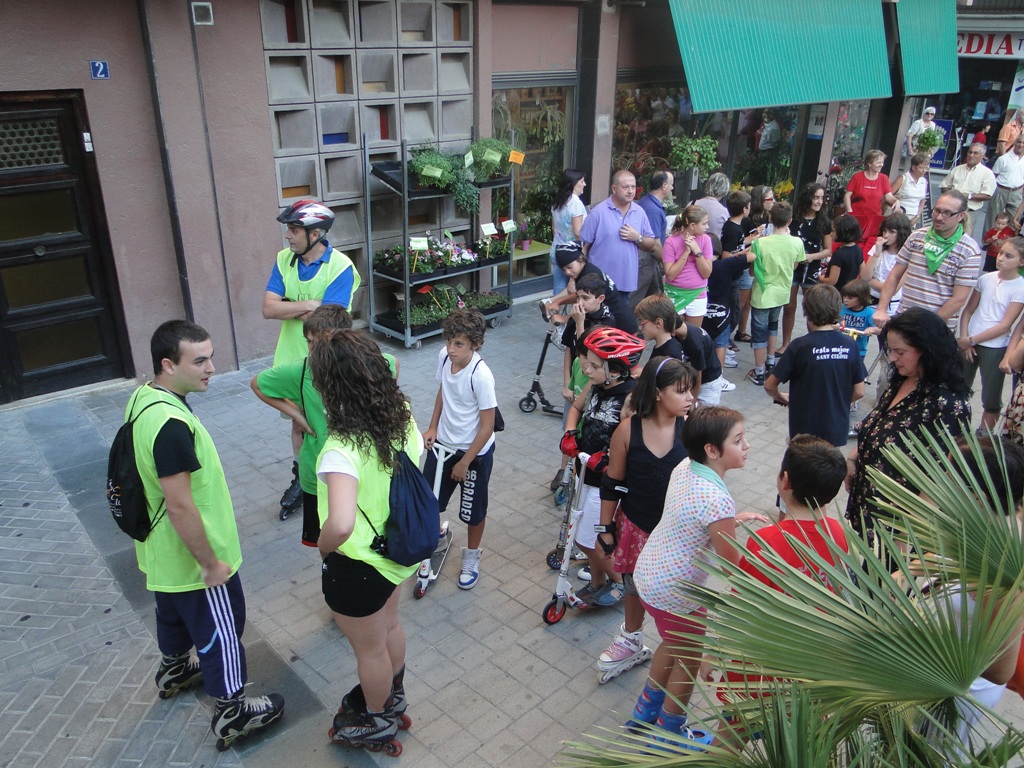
x,y
822,368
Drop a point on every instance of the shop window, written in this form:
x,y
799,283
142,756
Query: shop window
x,y
656,128
848,147
537,121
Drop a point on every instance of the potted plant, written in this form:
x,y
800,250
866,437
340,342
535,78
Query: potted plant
x,y
929,141
695,152
433,168
490,159
492,249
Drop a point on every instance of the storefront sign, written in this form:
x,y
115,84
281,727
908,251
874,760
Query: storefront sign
x,y
939,158
1017,89
990,45
816,121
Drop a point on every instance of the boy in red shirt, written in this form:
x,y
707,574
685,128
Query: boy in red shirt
x,y
811,475
1001,231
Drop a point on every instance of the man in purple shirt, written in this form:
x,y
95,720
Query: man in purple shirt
x,y
616,231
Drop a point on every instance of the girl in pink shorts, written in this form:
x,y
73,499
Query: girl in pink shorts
x,y
699,516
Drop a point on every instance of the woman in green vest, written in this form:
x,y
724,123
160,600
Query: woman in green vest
x,y
368,421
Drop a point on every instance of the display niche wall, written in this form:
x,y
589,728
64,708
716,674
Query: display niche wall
x,y
339,70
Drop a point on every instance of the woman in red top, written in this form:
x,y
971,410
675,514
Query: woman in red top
x,y
866,192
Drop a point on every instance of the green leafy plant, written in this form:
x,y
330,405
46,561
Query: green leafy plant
x,y
484,169
929,140
862,667
695,152
433,168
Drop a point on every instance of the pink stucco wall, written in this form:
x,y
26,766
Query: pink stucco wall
x,y
533,38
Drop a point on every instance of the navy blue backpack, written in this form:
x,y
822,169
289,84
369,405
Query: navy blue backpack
x,y
410,534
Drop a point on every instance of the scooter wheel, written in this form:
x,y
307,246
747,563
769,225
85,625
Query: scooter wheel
x,y
553,560
419,591
552,614
527,405
561,496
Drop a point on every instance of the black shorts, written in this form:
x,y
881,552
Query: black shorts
x,y
805,275
352,587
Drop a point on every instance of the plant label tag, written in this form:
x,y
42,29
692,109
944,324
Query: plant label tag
x,y
469,158
492,156
431,172
516,157
418,244
488,229
508,226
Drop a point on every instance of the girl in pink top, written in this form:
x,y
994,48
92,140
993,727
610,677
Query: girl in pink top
x,y
687,256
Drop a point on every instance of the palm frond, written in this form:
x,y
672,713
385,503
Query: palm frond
x,y
845,664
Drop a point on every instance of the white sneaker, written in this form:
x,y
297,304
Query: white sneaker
x,y
470,573
727,386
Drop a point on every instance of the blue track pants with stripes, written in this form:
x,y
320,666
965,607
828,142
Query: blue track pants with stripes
x,y
211,620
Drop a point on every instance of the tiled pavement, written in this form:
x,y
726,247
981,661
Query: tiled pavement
x,y
489,684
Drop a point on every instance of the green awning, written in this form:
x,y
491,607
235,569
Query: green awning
x,y
928,46
739,54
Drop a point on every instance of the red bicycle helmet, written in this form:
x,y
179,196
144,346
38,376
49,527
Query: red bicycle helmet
x,y
308,214
611,343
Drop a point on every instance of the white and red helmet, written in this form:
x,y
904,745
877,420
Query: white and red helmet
x,y
308,214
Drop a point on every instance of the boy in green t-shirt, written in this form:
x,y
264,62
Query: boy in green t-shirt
x,y
775,256
289,388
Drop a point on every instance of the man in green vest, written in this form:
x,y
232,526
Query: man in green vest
x,y
191,557
306,274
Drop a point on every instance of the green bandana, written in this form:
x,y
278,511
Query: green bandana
x,y
682,297
937,247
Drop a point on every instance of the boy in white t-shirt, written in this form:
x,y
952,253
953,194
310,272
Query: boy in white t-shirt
x,y
994,306
463,419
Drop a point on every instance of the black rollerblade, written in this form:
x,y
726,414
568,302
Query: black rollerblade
x,y
373,731
291,500
241,715
354,701
177,673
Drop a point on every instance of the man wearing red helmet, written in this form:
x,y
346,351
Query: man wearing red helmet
x,y
306,274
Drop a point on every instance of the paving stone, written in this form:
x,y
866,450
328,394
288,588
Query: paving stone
x,y
489,684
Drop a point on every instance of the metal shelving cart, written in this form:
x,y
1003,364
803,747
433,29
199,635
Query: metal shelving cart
x,y
395,177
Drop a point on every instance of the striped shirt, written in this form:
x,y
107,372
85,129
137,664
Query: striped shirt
x,y
930,292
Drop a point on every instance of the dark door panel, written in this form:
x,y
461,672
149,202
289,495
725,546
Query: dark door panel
x,y
61,323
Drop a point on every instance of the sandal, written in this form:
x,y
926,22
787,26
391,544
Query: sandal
x,y
745,337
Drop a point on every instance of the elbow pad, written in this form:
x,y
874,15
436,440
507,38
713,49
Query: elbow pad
x,y
612,489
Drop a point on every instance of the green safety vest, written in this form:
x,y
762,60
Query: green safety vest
x,y
291,344
163,556
373,498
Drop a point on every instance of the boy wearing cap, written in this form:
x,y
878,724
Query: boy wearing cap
x,y
570,259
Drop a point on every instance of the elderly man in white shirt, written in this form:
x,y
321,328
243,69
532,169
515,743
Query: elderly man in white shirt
x,y
978,184
1009,172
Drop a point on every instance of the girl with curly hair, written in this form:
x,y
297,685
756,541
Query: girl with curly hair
x,y
368,422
